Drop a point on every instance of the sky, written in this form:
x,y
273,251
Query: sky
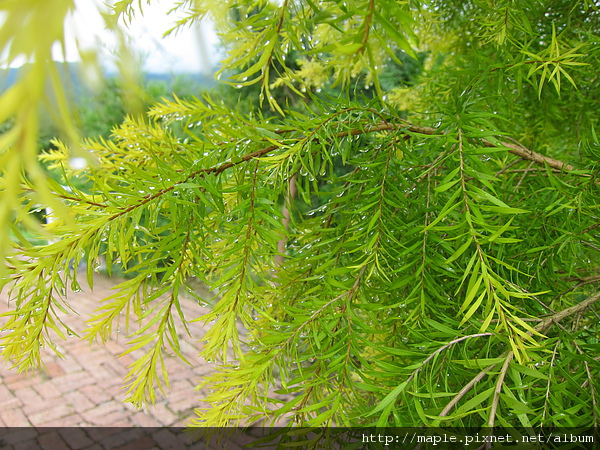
x,y
192,50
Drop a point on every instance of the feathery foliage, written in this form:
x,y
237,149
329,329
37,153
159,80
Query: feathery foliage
x,y
429,256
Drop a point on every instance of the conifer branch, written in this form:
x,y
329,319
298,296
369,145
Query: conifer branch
x,y
518,150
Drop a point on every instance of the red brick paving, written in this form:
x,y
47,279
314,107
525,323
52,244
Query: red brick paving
x,y
86,388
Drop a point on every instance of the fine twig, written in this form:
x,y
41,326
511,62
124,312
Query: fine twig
x,y
589,244
532,169
591,228
590,382
586,280
498,389
582,282
508,166
466,389
520,182
547,396
532,296
441,349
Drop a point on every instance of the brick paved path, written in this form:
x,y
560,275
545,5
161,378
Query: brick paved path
x,y
86,388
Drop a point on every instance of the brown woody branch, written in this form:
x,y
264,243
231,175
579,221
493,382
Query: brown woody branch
x,y
525,153
545,324
515,148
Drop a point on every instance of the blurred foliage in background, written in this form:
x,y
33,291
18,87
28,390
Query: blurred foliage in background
x,y
400,210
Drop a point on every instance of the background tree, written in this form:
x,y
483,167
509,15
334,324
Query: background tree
x,y
447,275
